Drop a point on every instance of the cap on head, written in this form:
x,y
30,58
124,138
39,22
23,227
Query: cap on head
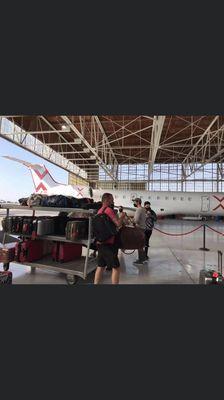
x,y
137,200
147,203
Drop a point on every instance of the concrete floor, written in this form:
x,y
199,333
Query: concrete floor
x,y
173,260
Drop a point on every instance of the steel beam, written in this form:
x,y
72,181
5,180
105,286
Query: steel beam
x,y
87,144
157,129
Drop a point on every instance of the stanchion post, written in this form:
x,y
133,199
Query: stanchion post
x,y
204,239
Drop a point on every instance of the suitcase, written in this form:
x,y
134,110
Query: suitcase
x,y
31,250
7,224
45,226
77,229
7,254
211,276
55,251
18,224
17,251
5,278
27,225
65,252
60,223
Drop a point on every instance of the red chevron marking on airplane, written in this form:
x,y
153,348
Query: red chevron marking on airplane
x,y
80,190
220,201
41,186
41,176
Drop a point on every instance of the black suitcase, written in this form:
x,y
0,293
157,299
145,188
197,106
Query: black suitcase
x,y
7,224
60,223
18,224
77,229
212,276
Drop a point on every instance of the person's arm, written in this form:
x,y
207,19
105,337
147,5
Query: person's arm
x,y
154,216
117,221
137,217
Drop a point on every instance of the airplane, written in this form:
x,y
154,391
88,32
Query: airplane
x,y
163,203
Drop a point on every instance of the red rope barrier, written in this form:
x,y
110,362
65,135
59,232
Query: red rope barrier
x,y
178,234
212,229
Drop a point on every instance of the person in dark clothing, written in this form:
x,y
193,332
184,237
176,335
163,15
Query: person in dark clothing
x,y
151,218
108,250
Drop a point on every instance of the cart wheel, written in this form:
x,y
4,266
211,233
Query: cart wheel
x,y
71,279
6,266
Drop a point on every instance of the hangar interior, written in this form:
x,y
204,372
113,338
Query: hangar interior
x,y
139,152
176,153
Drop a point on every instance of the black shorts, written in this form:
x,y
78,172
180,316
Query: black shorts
x,y
108,256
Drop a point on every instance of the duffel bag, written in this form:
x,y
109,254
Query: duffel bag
x,y
23,201
35,200
93,206
130,238
56,201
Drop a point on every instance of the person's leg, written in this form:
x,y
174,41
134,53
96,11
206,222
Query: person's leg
x,y
101,265
115,276
142,256
147,237
114,264
98,275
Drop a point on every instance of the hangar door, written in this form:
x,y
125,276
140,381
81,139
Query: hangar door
x,y
205,203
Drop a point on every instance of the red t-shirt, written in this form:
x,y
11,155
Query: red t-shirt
x,y
112,216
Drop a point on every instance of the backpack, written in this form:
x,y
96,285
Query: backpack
x,y
103,227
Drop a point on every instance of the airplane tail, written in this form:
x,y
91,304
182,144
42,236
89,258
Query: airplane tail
x,y
42,179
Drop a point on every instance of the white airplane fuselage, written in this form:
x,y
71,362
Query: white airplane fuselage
x,y
163,203
168,203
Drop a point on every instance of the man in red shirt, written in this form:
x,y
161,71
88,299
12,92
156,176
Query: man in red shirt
x,y
108,250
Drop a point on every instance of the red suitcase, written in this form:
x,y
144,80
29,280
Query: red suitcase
x,y
31,250
69,252
65,252
5,278
54,251
17,250
7,254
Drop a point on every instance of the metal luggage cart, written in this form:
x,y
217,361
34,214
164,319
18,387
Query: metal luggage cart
x,y
73,270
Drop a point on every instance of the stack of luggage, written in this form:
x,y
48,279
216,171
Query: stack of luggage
x,y
60,201
31,247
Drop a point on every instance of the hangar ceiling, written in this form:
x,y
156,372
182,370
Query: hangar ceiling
x,y
88,142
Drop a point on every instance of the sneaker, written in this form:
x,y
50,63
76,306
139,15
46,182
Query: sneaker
x,y
146,258
138,262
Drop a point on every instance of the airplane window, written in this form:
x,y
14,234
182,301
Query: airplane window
x,y
182,198
158,197
174,198
189,198
149,197
166,198
124,197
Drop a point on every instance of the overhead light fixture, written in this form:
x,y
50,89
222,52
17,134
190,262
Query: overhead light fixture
x,y
64,127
